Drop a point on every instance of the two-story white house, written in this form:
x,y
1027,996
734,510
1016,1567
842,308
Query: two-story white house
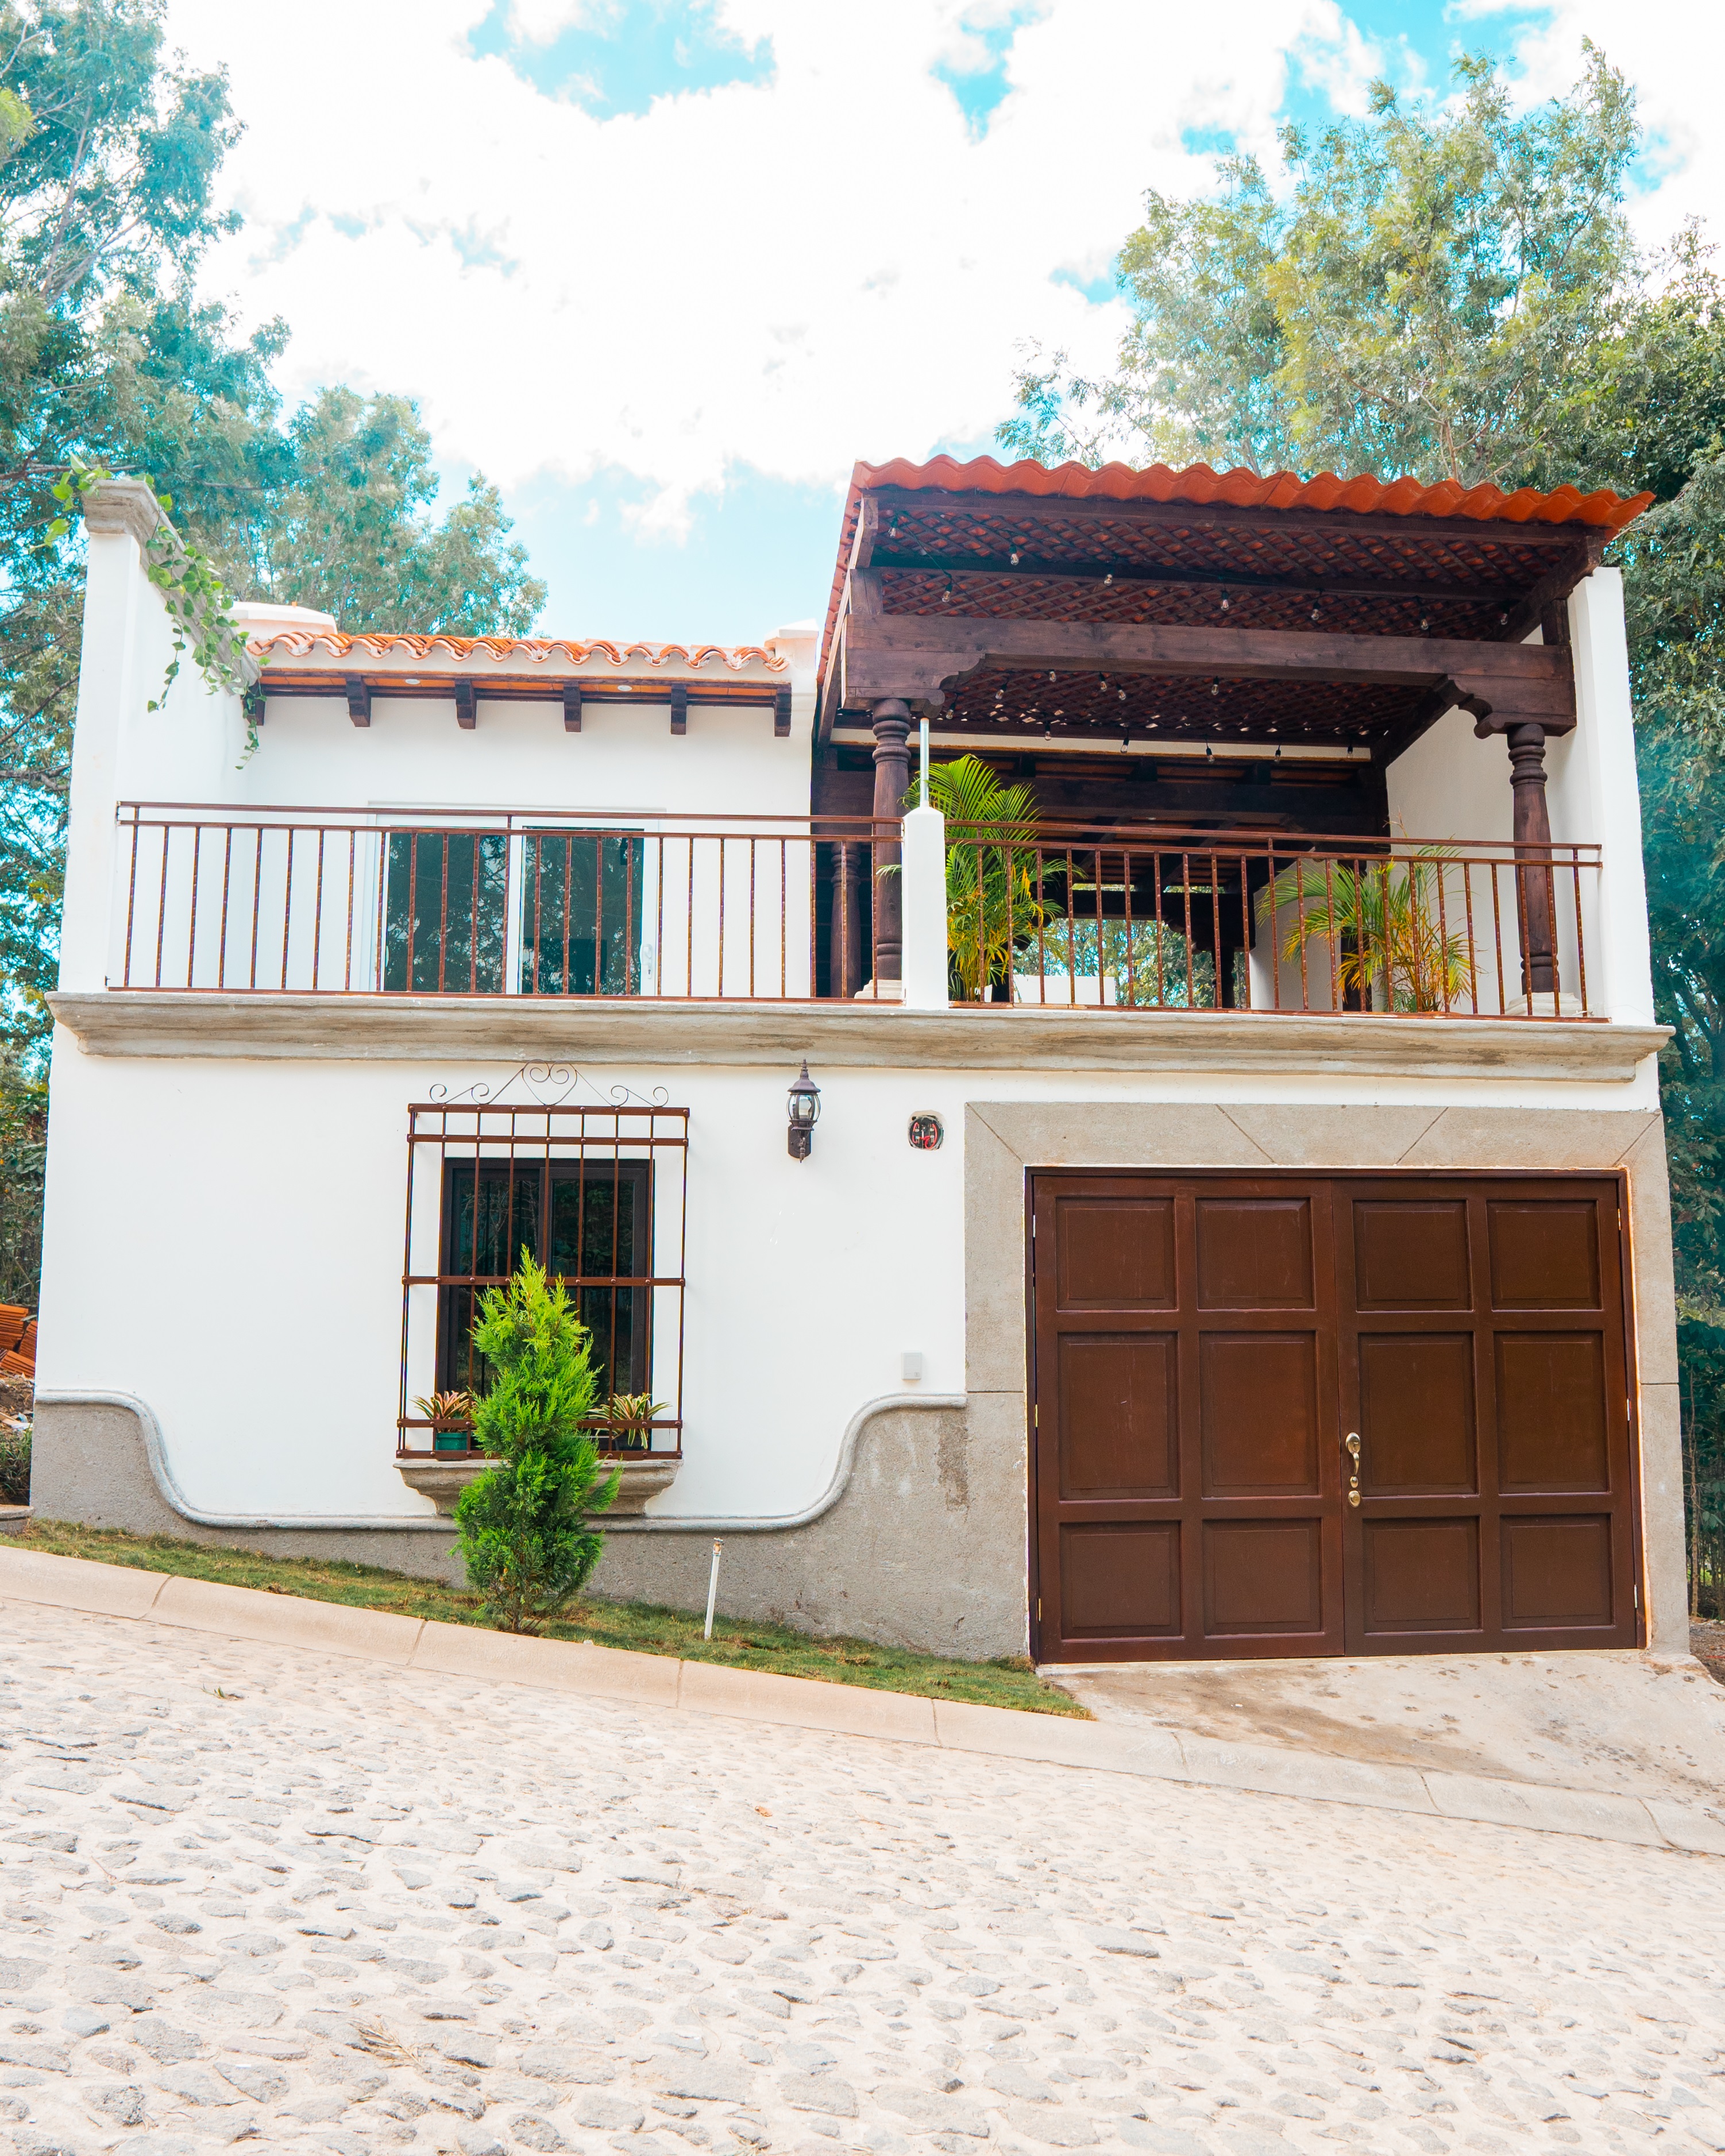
x,y
1235,1222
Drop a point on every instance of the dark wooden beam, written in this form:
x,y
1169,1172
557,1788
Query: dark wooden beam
x,y
359,700
1103,572
678,708
572,707
1052,509
782,714
466,706
920,659
513,687
868,524
1548,594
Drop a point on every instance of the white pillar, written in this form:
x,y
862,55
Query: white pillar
x,y
1619,969
925,910
118,517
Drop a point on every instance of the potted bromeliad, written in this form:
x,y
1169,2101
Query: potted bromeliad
x,y
627,1425
993,909
1385,923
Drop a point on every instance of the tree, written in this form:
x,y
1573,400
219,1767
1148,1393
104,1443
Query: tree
x,y
524,1524
349,529
1426,300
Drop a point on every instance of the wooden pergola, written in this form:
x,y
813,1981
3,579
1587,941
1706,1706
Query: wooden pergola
x,y
1035,615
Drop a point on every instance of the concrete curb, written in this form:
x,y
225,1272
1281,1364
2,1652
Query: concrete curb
x,y
659,1680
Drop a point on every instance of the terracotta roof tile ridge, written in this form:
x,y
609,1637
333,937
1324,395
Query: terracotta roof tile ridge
x,y
1240,488
306,643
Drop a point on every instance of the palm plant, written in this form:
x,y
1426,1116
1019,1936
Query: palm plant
x,y
1383,922
992,857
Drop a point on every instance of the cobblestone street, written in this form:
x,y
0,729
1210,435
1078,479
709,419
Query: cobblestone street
x,y
322,1905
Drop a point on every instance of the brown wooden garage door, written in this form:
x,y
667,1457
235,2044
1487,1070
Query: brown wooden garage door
x,y
1206,1346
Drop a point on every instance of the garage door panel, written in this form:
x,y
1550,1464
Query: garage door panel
x,y
1551,1412
1119,1415
1120,1581
1263,1577
1258,1413
1558,1572
1421,1575
1255,1253
1206,1340
1545,1254
1416,1393
1411,1253
1114,1253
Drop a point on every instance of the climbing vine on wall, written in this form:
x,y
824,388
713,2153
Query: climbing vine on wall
x,y
198,607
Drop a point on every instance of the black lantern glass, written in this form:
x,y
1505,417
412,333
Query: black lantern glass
x,y
802,1105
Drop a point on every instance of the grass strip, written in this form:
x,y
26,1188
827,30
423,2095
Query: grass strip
x,y
642,1627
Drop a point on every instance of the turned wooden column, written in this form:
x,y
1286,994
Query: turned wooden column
x,y
844,937
892,782
1532,842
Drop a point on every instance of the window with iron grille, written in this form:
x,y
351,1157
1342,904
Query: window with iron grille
x,y
594,1194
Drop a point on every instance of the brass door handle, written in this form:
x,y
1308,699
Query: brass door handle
x,y
1352,1442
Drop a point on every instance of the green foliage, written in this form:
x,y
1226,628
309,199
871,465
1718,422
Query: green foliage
x,y
1423,297
524,1524
15,1466
992,905
1153,965
1385,926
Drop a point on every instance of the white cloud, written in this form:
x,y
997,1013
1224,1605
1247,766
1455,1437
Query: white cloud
x,y
785,274
1675,56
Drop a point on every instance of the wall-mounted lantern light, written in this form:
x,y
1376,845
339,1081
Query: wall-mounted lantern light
x,y
803,1102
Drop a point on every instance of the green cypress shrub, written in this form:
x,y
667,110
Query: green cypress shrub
x,y
525,1524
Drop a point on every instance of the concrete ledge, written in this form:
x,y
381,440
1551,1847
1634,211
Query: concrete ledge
x,y
181,1022
760,1695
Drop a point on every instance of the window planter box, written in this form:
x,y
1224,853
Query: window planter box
x,y
644,1475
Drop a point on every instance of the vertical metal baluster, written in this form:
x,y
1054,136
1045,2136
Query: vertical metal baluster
x,y
161,896
410,980
1443,949
723,850
191,923
473,936
689,960
1186,889
1497,940
318,916
223,945
1580,946
131,900
287,904
569,898
352,868
257,898
627,846
1332,936
598,915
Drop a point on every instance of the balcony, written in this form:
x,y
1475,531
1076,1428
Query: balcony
x,y
1113,922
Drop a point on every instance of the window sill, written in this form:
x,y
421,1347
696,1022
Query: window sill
x,y
644,1475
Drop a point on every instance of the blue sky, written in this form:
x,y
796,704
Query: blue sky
x,y
763,553
664,269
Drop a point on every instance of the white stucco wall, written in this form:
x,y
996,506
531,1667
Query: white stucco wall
x,y
225,1240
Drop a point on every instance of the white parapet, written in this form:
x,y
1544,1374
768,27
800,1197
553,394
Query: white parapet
x,y
925,910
